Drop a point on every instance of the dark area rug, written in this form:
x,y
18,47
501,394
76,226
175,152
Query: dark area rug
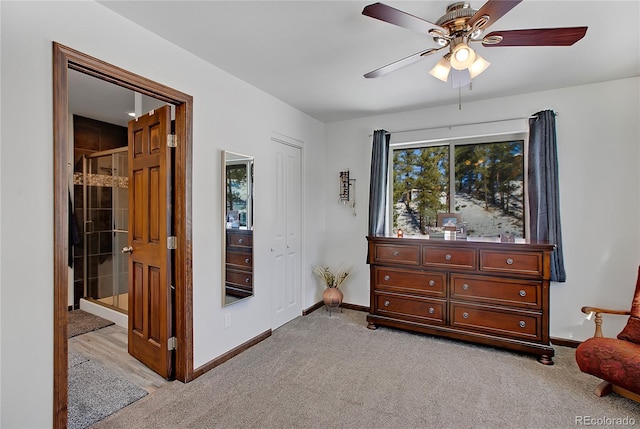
x,y
81,322
96,392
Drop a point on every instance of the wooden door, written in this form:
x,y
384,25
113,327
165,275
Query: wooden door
x,y
150,316
286,224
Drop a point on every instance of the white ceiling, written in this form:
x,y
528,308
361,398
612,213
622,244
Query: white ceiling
x,y
97,99
313,54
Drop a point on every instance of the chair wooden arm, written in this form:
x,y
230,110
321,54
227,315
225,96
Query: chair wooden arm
x,y
598,319
587,310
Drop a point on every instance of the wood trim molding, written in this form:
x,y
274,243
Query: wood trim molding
x,y
313,308
64,59
183,231
355,307
320,304
231,353
60,240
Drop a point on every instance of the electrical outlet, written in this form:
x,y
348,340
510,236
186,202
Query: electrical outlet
x,y
227,320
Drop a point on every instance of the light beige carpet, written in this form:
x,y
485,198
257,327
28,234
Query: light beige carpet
x,y
322,371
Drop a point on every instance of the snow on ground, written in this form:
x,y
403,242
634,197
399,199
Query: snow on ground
x,y
480,222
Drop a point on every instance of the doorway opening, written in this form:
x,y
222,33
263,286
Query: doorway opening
x,y
105,209
64,60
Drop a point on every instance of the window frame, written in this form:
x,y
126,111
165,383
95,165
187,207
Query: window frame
x,y
452,142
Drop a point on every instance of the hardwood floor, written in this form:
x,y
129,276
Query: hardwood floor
x,y
108,346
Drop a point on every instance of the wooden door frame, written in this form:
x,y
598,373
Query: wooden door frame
x,y
65,59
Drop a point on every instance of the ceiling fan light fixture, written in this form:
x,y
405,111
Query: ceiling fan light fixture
x,y
475,34
441,69
441,41
478,66
462,56
440,37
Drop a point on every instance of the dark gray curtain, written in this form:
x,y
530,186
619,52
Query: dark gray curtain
x,y
378,182
544,195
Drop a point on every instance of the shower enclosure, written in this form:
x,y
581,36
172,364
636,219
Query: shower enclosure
x,y
105,202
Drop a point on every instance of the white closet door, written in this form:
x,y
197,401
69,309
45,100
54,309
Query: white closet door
x,y
286,224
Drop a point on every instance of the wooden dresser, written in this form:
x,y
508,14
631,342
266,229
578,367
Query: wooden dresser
x,y
485,292
239,263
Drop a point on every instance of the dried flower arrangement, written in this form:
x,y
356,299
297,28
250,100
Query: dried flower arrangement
x,y
331,279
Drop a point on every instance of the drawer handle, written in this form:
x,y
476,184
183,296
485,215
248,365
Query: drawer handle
x,y
523,293
386,303
240,240
247,260
432,283
431,310
465,286
396,253
447,257
247,280
522,324
386,278
465,315
509,261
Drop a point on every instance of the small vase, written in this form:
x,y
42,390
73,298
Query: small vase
x,y
332,297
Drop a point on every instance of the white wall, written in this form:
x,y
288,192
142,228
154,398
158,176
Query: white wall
x,y
228,114
598,135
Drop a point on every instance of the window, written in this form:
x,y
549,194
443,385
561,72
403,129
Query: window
x,y
488,186
239,186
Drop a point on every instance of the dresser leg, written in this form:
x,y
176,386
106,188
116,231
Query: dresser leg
x,y
545,360
371,325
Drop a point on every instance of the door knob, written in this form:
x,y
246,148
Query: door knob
x,y
127,249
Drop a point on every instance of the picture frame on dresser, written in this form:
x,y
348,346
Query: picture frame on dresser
x,y
447,220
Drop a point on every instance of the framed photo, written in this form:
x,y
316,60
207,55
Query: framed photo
x,y
449,220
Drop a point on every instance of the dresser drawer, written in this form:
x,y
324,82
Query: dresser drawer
x,y
405,254
411,308
494,290
449,257
239,238
500,322
241,279
409,281
526,263
241,259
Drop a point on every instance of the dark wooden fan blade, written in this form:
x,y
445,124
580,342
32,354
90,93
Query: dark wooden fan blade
x,y
539,37
402,19
494,9
401,63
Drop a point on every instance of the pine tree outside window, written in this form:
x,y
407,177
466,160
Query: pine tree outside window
x,y
481,180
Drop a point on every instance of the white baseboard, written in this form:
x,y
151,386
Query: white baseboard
x,y
106,313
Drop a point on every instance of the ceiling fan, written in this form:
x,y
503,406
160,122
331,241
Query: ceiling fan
x,y
460,26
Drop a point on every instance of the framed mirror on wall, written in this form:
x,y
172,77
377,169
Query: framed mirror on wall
x,y
237,259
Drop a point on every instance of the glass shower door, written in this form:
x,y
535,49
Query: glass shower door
x,y
105,184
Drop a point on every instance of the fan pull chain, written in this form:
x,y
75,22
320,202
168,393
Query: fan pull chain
x,y
460,95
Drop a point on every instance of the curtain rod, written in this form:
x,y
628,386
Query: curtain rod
x,y
462,125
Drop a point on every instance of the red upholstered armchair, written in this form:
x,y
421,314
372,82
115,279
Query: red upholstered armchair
x,y
615,360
